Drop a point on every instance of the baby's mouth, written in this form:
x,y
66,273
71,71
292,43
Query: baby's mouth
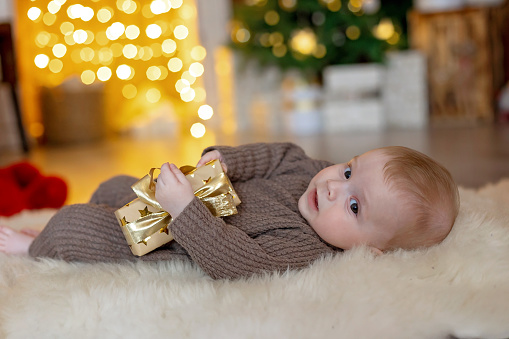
x,y
313,199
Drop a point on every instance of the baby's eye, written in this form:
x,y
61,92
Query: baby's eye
x,y
347,172
354,206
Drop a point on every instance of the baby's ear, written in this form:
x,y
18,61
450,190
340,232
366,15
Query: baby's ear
x,y
376,251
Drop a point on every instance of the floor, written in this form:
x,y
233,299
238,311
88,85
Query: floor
x,y
474,155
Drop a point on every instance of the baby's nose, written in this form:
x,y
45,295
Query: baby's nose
x,y
334,187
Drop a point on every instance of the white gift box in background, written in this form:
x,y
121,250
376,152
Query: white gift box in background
x,y
301,104
257,97
352,99
377,96
405,91
352,80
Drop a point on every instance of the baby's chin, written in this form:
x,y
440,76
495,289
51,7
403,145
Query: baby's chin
x,y
301,205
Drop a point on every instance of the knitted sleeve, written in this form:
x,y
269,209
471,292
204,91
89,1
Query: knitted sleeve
x,y
259,160
224,251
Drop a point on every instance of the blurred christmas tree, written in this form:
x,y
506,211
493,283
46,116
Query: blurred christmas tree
x,y
311,34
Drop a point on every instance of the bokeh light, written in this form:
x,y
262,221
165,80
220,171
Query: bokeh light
x,y
42,39
187,94
153,73
132,32
153,95
130,51
176,3
198,130
181,85
129,91
80,36
146,51
169,46
115,31
159,6
180,32
205,112
49,19
198,53
105,55
34,13
104,14
304,41
187,76
175,64
104,73
87,77
271,18
66,28
59,50
384,30
243,35
41,60
353,32
124,72
154,31
55,65
196,69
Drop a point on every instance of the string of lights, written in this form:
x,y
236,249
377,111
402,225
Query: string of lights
x,y
144,53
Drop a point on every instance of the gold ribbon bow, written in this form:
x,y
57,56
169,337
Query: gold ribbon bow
x,y
210,185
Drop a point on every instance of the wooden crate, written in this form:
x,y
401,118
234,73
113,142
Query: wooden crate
x,y
465,52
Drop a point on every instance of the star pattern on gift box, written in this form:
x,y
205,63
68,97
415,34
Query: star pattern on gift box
x,y
144,212
123,221
164,230
206,181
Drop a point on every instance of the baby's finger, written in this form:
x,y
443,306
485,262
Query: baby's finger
x,y
212,155
202,161
165,169
169,174
178,174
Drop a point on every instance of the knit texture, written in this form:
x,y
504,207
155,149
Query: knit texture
x,y
267,234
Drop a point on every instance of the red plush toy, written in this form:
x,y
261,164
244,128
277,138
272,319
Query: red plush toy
x,y
24,187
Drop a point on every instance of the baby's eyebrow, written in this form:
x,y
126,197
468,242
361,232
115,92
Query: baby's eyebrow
x,y
353,159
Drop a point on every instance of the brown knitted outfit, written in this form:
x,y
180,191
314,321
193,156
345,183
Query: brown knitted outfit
x,y
267,234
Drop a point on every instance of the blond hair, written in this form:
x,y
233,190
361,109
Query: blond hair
x,y
427,191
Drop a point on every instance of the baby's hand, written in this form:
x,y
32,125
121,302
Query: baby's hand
x,y
212,155
173,190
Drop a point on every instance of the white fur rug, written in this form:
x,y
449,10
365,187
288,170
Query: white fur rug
x,y
457,289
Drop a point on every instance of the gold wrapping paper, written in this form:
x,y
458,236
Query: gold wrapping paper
x,y
144,222
144,226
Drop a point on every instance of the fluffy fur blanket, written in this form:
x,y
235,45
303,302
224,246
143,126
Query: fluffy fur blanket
x,y
458,289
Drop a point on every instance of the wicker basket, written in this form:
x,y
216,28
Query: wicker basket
x,y
72,114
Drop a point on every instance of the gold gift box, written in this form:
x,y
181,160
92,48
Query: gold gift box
x,y
150,240
145,224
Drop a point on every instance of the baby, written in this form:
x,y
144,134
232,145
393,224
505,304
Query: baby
x,y
294,210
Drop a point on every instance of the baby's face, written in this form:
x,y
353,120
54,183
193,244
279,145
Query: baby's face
x,y
349,204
